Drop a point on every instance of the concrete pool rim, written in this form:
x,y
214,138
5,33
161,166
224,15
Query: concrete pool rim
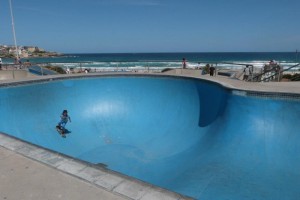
x,y
265,92
98,175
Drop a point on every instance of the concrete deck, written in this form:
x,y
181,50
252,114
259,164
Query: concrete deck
x,y
23,178
277,87
30,172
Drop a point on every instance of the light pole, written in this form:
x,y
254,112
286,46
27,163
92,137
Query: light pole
x,y
13,29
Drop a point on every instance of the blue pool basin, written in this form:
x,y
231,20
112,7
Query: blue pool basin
x,y
187,135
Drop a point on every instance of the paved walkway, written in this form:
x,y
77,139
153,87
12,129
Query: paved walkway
x,y
23,178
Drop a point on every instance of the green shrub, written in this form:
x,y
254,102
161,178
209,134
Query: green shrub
x,y
57,69
294,77
287,76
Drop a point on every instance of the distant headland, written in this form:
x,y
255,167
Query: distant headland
x,y
7,51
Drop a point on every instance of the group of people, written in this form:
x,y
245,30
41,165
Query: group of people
x,y
25,64
17,63
210,69
207,69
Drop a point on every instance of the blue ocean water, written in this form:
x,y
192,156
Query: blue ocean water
x,y
168,60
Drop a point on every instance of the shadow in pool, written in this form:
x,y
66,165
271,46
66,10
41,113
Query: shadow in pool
x,y
213,101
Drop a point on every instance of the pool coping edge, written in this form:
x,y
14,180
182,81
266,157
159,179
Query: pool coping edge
x,y
49,78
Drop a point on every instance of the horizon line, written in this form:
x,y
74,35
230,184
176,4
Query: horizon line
x,y
296,51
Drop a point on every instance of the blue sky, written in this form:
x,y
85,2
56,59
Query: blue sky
x,y
121,26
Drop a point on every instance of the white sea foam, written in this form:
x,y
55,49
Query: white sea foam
x,y
159,65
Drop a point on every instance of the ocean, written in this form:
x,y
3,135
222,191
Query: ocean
x,y
167,60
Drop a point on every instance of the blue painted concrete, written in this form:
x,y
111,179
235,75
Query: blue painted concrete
x,y
189,136
40,71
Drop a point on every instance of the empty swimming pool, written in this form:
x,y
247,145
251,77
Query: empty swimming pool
x,y
189,136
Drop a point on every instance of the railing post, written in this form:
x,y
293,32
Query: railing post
x,y
42,71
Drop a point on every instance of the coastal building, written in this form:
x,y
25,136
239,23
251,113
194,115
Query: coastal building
x,y
30,49
13,51
3,50
24,53
40,49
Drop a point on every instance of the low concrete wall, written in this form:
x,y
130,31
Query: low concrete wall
x,y
190,72
14,74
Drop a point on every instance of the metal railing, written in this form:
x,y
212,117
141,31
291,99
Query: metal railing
x,y
86,67
277,72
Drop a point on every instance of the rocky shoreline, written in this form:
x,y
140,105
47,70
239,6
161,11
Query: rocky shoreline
x,y
26,52
38,55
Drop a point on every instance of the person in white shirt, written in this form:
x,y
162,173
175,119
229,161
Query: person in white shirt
x,y
246,73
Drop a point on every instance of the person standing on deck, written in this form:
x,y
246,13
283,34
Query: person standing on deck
x,y
246,73
183,63
212,70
